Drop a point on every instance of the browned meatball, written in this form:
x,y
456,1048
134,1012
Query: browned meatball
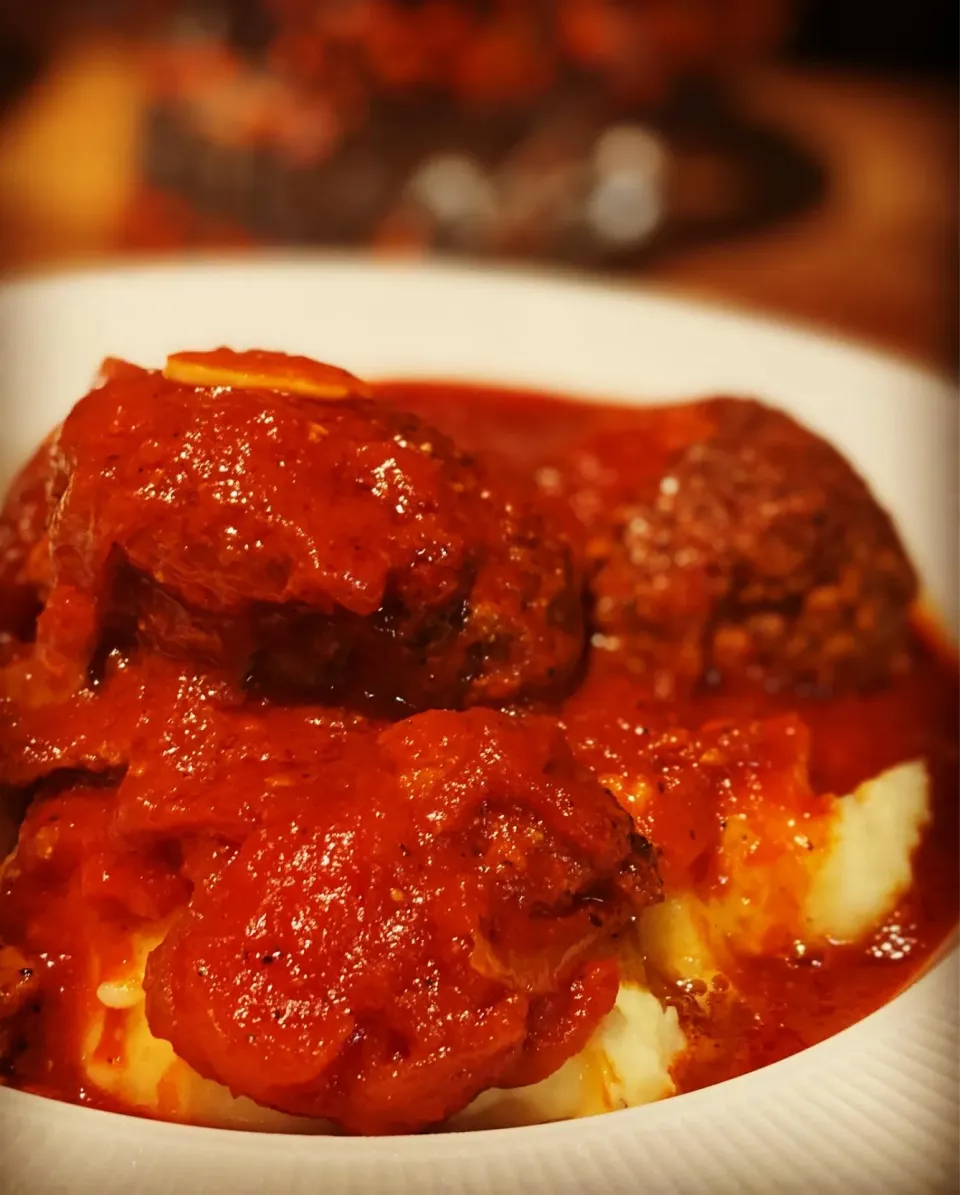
x,y
443,920
336,547
728,541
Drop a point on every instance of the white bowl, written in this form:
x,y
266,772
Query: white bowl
x,y
874,1109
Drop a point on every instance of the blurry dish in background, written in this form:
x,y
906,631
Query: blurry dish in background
x,y
586,132
71,180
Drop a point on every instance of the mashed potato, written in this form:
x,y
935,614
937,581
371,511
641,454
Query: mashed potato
x,y
855,868
874,833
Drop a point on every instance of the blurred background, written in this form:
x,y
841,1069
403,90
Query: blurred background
x,y
793,156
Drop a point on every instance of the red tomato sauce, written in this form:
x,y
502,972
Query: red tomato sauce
x,y
793,1002
798,1002
173,777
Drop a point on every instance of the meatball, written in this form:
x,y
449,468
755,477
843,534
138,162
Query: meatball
x,y
431,924
727,541
325,546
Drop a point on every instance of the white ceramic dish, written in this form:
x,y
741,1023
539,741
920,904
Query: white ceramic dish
x,y
874,1109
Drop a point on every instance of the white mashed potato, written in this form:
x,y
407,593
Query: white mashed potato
x,y
853,875
868,868
855,871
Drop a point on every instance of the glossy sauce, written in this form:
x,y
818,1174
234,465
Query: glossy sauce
x,y
89,895
791,1003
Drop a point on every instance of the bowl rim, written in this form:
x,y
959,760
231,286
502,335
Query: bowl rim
x,y
311,261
